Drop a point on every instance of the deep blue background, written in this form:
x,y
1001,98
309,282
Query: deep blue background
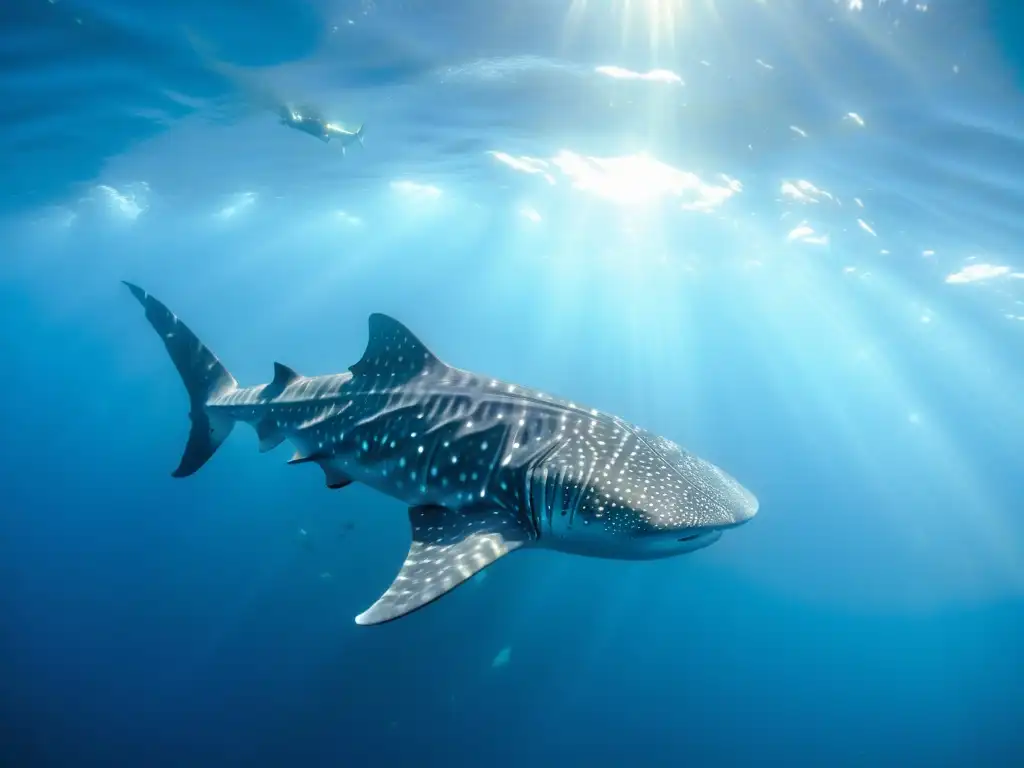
x,y
870,615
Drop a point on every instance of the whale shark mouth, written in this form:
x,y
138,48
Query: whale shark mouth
x,y
710,530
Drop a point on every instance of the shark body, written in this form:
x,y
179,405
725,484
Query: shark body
x,y
486,467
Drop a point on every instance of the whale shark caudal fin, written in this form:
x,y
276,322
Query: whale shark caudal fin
x,y
204,376
448,547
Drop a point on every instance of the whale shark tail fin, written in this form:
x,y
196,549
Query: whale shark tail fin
x,y
359,134
204,377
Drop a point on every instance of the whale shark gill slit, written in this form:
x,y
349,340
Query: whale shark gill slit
x,y
535,512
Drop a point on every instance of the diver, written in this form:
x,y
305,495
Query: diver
x,y
259,93
310,121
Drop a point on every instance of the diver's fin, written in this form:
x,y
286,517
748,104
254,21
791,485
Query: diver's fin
x,y
393,353
283,376
448,546
204,377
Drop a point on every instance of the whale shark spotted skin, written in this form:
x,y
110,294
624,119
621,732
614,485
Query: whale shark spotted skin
x,y
485,467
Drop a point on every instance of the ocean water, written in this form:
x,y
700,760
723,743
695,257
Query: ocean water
x,y
783,233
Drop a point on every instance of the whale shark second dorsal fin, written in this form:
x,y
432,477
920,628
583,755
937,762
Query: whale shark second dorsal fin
x,y
393,352
283,376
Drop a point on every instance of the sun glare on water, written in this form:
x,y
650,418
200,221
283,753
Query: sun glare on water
x,y
660,20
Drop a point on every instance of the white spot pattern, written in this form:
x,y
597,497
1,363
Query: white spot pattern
x,y
436,437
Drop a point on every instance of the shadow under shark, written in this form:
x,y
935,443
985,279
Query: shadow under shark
x,y
486,467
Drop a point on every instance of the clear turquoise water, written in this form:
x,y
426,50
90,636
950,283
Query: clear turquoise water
x,y
784,234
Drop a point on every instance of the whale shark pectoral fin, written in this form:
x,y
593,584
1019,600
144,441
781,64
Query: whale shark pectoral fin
x,y
448,547
393,353
269,434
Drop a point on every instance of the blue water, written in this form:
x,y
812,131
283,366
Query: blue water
x,y
786,235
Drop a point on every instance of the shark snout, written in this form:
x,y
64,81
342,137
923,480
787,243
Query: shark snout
x,y
737,504
746,506
742,509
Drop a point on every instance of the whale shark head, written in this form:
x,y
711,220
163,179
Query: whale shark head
x,y
698,500
633,495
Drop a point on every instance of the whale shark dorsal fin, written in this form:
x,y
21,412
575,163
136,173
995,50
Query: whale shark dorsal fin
x,y
393,352
448,547
283,376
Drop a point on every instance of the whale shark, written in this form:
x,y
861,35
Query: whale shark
x,y
484,466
